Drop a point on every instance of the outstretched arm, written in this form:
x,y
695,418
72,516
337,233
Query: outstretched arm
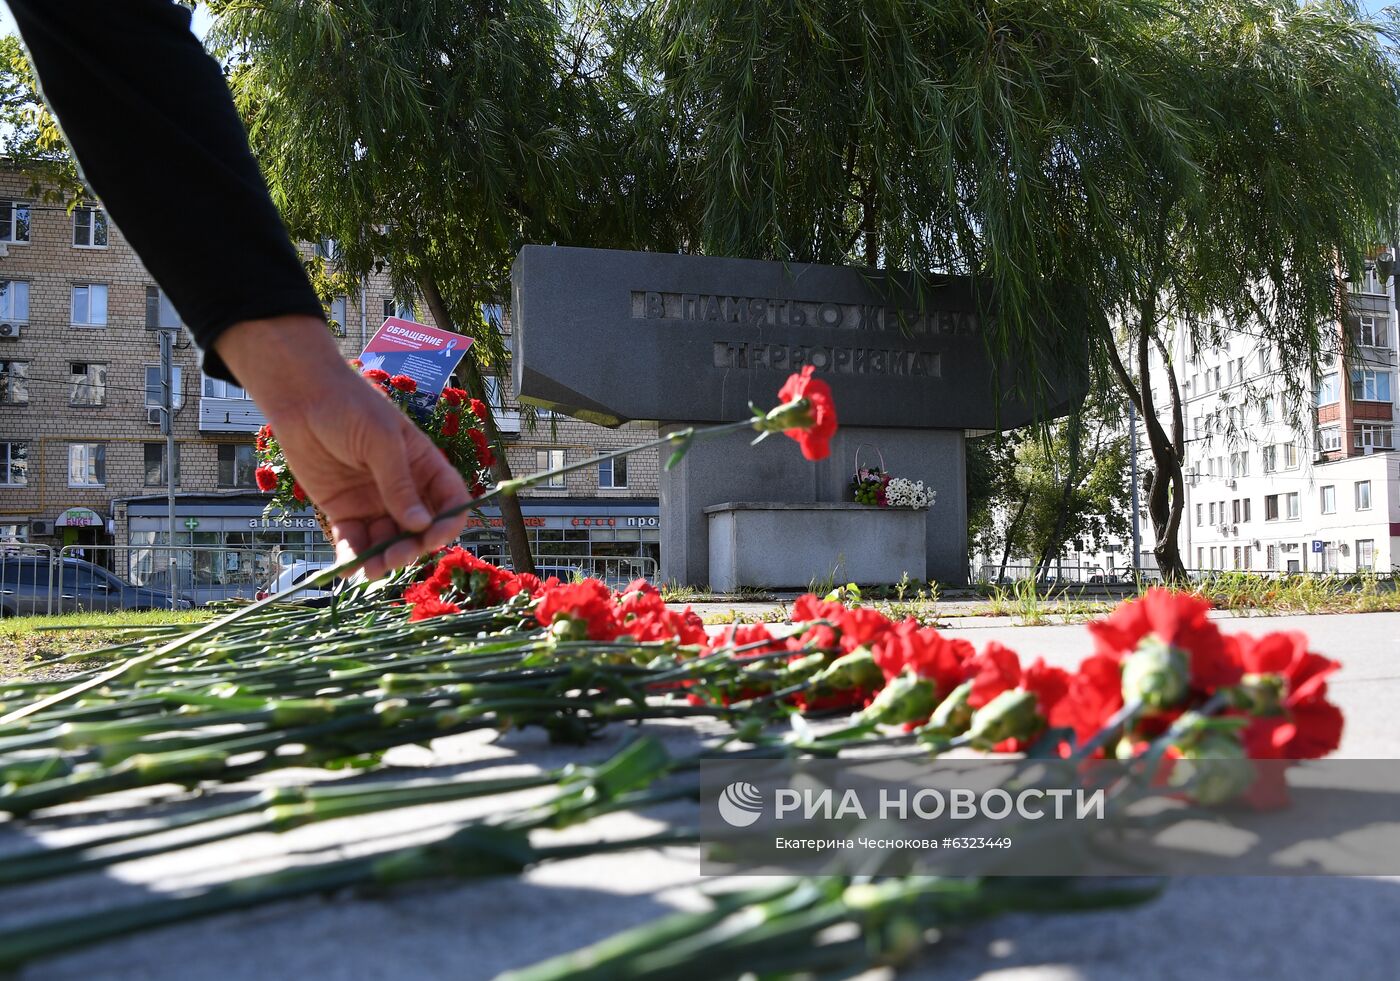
x,y
153,128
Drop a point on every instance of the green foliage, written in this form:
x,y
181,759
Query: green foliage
x,y
30,140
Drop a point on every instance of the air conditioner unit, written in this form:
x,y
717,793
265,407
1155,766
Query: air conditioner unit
x,y
1223,529
1256,544
11,331
153,415
1344,548
1232,484
41,528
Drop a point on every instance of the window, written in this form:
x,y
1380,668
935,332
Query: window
x,y
14,464
14,382
1330,439
1263,361
1363,495
336,315
1200,557
493,314
1367,282
1328,392
1239,464
550,460
1371,331
87,464
89,228
89,307
155,464
1212,512
14,221
1328,499
1366,555
1291,504
1200,514
1266,410
160,312
1290,456
154,396
14,300
1235,510
1245,509
1271,557
1235,557
1270,456
1239,369
1271,507
397,308
237,462
612,473
214,388
1368,385
327,248
87,383
1372,436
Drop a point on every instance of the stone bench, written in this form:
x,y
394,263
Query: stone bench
x,y
783,545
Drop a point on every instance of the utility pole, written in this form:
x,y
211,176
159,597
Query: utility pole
x,y
1133,472
167,427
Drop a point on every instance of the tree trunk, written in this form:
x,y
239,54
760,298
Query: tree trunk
x,y
1166,492
1052,545
512,519
1011,536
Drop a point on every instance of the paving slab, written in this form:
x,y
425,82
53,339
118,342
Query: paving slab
x,y
1277,928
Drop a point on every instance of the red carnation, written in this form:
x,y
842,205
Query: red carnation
x,y
432,606
1178,620
264,437
266,478
820,416
478,408
1094,693
639,586
484,456
356,363
378,375
925,652
588,603
453,396
297,492
995,670
404,383
861,627
1308,725
451,423
479,490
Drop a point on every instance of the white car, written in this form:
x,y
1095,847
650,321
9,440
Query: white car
x,y
294,573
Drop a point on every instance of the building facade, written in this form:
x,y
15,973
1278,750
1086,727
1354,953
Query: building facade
x,y
1277,486
82,457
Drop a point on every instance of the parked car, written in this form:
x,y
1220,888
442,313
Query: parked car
x,y
26,582
293,574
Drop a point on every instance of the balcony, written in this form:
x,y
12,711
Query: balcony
x,y
225,415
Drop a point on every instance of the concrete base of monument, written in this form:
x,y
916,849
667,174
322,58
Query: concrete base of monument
x,y
727,468
780,545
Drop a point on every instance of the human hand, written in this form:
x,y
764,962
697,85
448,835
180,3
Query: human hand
x,y
355,453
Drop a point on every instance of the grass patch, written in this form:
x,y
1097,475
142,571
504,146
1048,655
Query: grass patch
x,y
26,642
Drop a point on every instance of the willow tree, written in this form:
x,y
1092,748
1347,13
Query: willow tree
x,y
434,138
1112,170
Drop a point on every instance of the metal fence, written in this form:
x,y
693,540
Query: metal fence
x,y
615,570
42,579
39,579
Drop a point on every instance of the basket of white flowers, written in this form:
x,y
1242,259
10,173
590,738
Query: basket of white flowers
x,y
901,492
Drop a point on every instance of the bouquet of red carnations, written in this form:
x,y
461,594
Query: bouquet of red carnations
x,y
455,425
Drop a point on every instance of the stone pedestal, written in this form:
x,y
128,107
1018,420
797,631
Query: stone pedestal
x,y
780,545
726,469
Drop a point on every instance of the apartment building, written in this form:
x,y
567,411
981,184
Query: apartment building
x,y
82,460
1276,486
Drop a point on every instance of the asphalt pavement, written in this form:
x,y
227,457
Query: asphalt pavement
x,y
1276,928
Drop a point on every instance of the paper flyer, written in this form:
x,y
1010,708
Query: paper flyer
x,y
425,354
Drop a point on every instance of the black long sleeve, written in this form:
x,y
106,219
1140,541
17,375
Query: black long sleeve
x,y
150,120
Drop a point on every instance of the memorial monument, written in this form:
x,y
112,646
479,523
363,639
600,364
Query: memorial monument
x,y
611,337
